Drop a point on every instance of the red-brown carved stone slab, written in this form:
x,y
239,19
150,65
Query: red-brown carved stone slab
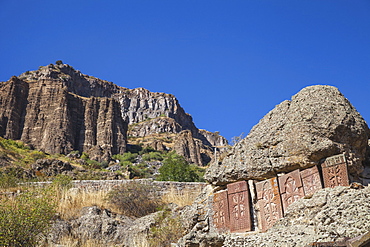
x,y
291,189
311,180
334,171
239,207
221,218
269,203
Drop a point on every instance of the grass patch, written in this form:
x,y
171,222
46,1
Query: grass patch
x,y
180,197
135,199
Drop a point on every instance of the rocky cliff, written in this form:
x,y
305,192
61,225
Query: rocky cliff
x,y
58,109
44,113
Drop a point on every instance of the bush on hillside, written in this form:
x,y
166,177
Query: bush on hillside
x,y
135,199
176,168
24,217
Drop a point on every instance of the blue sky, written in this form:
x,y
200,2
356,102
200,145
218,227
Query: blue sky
x,y
228,62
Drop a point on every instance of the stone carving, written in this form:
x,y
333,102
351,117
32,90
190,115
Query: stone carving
x,y
311,180
334,171
221,218
291,189
269,203
240,217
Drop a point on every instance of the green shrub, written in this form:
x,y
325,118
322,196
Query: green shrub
x,y
37,155
135,199
24,217
59,62
93,164
176,168
140,170
8,181
128,156
152,156
85,156
62,181
167,229
147,149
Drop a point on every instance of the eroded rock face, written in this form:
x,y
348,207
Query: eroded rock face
x,y
317,122
154,126
43,112
104,227
58,109
188,147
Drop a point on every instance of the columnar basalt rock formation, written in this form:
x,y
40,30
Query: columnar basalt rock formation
x,y
58,109
42,112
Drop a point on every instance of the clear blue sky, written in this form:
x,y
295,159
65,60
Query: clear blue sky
x,y
228,62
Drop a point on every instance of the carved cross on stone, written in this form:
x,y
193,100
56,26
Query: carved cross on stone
x,y
269,203
311,180
291,189
221,218
334,171
239,207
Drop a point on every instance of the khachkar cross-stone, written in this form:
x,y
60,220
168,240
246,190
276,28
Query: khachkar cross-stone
x,y
239,207
311,180
291,189
334,171
221,218
269,203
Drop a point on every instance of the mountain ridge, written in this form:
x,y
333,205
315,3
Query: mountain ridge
x,y
90,113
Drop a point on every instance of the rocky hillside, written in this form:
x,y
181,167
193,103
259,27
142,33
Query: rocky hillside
x,y
300,178
57,109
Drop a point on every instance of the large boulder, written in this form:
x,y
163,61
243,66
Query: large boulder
x,y
316,123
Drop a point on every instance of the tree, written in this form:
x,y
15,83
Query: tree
x,y
176,168
59,62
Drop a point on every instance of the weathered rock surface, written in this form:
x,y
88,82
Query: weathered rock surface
x,y
316,123
188,147
51,167
45,114
58,109
329,216
104,227
198,222
154,126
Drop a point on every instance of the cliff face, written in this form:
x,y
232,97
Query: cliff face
x,y
44,111
58,109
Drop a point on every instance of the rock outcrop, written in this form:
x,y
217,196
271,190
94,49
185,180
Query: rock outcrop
x,y
58,109
104,227
42,112
318,128
188,147
316,123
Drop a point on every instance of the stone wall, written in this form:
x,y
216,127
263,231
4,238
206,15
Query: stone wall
x,y
164,186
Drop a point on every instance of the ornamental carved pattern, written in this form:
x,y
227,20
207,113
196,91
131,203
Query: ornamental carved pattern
x,y
269,203
334,171
311,180
239,207
291,189
221,217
